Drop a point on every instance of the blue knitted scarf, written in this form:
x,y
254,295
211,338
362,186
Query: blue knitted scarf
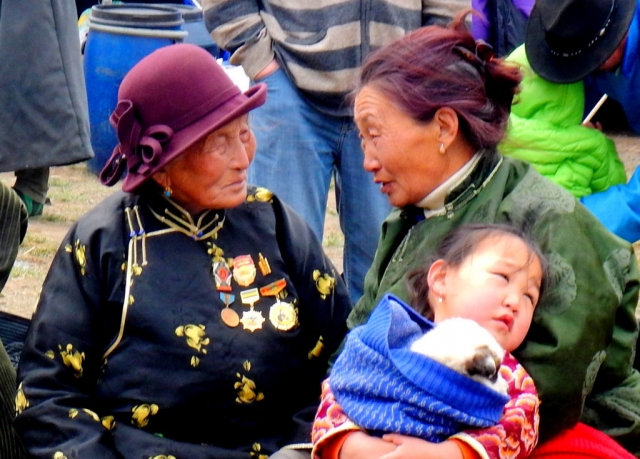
x,y
383,386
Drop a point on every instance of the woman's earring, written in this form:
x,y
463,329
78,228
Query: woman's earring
x,y
439,299
442,150
167,191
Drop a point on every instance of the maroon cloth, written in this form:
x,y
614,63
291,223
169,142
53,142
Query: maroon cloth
x,y
168,101
581,442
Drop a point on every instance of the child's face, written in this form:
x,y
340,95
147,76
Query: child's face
x,y
498,286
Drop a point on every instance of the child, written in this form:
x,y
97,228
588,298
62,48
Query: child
x,y
489,273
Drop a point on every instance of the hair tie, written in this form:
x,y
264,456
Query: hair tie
x,y
482,54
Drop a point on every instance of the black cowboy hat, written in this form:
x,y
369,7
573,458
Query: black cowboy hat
x,y
568,39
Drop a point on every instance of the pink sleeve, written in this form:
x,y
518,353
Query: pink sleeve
x,y
516,434
329,425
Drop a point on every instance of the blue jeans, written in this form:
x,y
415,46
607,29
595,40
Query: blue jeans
x,y
299,149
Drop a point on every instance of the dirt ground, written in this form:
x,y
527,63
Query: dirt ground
x,y
73,191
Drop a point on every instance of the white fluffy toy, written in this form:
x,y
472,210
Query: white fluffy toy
x,y
467,348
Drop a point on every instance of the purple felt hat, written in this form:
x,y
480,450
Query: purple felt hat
x,y
168,101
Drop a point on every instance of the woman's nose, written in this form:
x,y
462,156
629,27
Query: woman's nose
x,y
370,163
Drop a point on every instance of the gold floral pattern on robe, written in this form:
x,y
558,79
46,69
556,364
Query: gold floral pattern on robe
x,y
79,253
246,387
324,283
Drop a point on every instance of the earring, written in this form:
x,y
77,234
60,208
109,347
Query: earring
x,y
439,299
168,191
442,150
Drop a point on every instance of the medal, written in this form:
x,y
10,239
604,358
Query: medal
x,y
244,270
228,315
252,320
283,316
222,275
263,264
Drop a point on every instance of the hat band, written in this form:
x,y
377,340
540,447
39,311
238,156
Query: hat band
x,y
598,36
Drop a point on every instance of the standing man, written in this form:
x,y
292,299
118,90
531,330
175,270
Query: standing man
x,y
44,119
309,53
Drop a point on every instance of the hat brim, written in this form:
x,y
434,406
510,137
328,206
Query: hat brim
x,y
184,138
559,69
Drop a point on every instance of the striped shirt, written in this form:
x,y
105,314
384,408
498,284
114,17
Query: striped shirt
x,y
319,43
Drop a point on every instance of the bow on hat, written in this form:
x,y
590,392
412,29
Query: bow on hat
x,y
139,150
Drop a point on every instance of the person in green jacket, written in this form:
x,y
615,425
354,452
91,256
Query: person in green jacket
x,y
545,130
431,109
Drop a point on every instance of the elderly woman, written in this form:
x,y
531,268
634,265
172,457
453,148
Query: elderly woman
x,y
190,316
431,109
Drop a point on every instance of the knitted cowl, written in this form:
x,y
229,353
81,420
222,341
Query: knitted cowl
x,y
383,386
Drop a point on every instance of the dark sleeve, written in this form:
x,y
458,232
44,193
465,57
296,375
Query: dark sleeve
x,y
61,360
323,300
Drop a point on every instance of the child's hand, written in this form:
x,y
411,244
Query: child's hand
x,y
417,448
360,445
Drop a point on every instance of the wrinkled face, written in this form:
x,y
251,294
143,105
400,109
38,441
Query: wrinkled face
x,y
213,174
498,286
401,153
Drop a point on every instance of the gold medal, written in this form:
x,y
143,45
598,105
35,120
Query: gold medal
x,y
252,320
244,270
283,316
228,315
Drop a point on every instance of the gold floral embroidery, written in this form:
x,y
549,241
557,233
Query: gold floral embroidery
x,y
261,195
317,350
196,336
59,455
72,358
108,422
246,387
142,413
162,456
79,253
324,283
21,400
255,452
50,354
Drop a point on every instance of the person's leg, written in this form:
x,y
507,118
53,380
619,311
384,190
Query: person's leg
x,y
362,209
32,185
292,160
13,226
291,454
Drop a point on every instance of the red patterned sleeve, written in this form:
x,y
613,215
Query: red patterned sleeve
x,y
516,434
330,425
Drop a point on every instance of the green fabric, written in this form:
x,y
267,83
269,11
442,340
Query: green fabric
x,y
544,130
584,331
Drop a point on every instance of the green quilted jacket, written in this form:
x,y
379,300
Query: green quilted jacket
x,y
544,130
581,344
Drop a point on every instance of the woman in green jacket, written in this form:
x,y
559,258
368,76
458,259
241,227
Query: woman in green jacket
x,y
431,109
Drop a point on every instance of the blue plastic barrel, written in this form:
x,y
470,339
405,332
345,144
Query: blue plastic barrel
x,y
120,35
196,29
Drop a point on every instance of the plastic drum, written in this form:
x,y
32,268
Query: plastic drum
x,y
120,35
196,29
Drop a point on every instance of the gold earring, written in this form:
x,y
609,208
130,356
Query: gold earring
x,y
168,191
442,150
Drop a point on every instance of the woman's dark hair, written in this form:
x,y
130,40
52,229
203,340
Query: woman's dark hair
x,y
454,250
435,67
